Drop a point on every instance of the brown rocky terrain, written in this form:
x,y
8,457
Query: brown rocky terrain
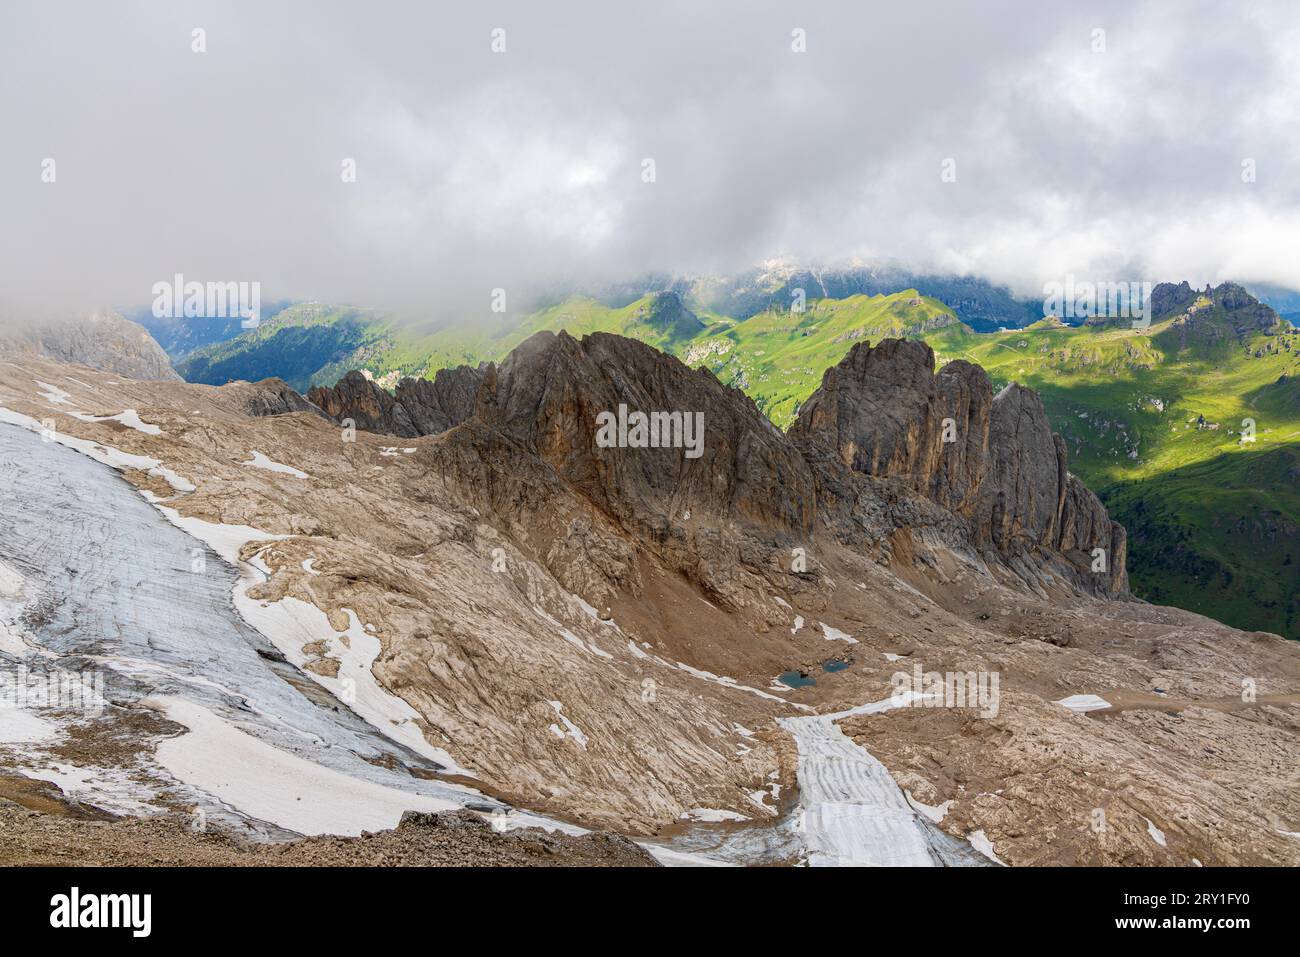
x,y
508,563
39,830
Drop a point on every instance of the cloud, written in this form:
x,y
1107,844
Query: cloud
x,y
523,170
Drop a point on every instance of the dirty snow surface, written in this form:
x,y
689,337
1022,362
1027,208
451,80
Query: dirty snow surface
x,y
109,584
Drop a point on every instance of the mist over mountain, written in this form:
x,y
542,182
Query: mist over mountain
x,y
758,150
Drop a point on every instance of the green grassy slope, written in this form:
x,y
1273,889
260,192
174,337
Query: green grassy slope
x,y
778,357
1153,420
312,344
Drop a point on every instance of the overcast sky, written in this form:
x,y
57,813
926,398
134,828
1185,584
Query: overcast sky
x,y
524,169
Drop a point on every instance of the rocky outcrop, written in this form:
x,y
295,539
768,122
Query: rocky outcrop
x,y
417,407
107,341
438,404
550,391
882,412
1168,298
994,461
1228,310
275,397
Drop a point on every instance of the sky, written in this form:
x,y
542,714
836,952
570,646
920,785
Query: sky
x,y
1022,142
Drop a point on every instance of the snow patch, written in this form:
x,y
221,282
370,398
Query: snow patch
x,y
1081,703
108,788
260,461
712,815
834,634
731,683
980,841
272,785
934,812
104,454
291,623
21,726
52,394
128,417
571,729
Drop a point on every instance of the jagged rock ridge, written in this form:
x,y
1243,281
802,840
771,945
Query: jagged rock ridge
x,y
418,406
992,463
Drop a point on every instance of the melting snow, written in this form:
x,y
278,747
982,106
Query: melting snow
x,y
834,634
291,623
980,841
1080,703
20,726
935,812
260,461
108,788
572,730
274,785
731,683
52,394
104,454
712,815
129,417
573,639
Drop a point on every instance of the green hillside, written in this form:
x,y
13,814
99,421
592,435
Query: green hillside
x,y
658,319
312,344
1153,420
778,357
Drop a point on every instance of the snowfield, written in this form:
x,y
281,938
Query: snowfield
x,y
853,814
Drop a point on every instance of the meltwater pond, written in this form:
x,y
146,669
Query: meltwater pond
x,y
801,679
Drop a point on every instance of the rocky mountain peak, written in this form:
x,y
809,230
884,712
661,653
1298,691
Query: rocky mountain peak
x,y
1228,310
707,448
994,461
106,341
